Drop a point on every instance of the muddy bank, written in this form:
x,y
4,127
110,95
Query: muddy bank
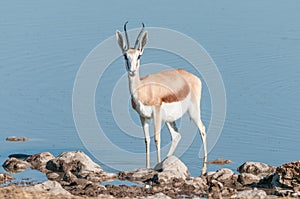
x,y
74,174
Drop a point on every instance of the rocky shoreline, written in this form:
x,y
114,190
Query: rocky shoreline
x,y
74,175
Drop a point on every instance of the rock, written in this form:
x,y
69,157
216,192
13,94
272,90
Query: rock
x,y
78,164
54,176
14,165
252,194
103,177
16,139
219,161
156,196
265,182
248,178
198,183
287,193
219,191
171,167
39,161
4,177
52,187
256,168
222,183
224,176
137,175
74,161
124,191
103,196
81,186
289,174
191,187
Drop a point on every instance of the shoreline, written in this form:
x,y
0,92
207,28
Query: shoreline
x,y
74,175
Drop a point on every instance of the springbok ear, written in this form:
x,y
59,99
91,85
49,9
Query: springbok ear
x,y
120,40
143,41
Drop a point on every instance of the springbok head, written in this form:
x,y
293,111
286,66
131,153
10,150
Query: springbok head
x,y
132,55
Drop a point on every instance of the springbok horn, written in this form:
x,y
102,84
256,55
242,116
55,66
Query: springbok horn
x,y
126,34
138,37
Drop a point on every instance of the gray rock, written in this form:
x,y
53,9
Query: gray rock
x,y
39,161
163,172
248,178
287,193
76,163
103,196
16,139
156,196
54,176
289,174
36,161
14,165
225,176
251,194
4,177
219,161
222,183
198,183
218,191
137,175
171,167
52,187
256,168
74,160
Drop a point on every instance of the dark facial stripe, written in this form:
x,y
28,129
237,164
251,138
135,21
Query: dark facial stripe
x,y
127,62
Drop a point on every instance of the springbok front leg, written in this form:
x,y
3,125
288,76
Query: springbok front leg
x,y
174,135
147,140
157,127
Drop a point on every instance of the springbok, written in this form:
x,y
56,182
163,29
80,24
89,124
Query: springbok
x,y
163,97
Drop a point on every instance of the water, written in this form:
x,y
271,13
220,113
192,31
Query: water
x,y
255,44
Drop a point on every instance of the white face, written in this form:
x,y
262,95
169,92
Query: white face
x,y
132,55
132,61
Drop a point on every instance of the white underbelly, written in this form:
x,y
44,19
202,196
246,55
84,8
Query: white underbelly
x,y
169,111
175,110
144,111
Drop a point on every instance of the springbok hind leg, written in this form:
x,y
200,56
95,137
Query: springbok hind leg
x,y
195,116
174,135
201,128
157,126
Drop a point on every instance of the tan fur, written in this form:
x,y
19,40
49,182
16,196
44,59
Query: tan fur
x,y
167,86
131,51
195,86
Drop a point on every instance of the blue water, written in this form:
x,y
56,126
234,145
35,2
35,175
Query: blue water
x,y
255,44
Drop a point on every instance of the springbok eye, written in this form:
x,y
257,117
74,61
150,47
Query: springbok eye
x,y
139,56
125,57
